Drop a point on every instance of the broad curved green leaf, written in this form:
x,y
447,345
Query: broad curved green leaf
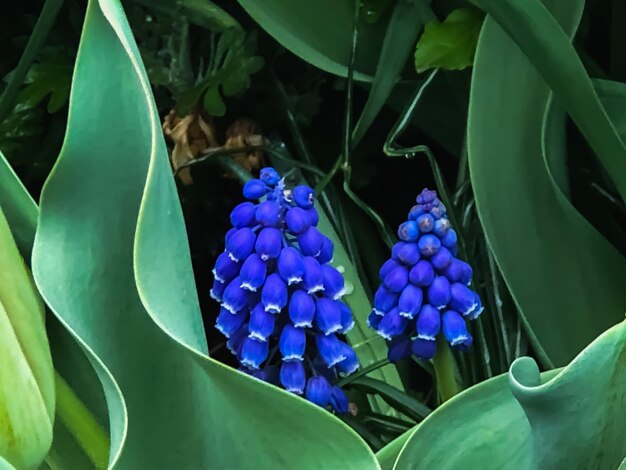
x,y
320,32
565,277
569,418
111,259
538,33
19,208
77,364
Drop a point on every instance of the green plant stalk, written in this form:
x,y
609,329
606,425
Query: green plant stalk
x,y
37,38
446,372
81,424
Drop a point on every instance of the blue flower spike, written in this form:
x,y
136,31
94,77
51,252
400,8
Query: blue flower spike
x,y
425,289
281,308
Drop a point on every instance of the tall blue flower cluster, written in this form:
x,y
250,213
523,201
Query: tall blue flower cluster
x,y
424,289
279,294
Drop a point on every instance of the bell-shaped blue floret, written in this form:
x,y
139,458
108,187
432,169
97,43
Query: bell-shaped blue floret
x,y
399,348
254,352
339,400
466,274
397,279
326,251
333,282
293,377
449,239
406,253
426,196
290,265
428,245
268,213
229,234
347,322
373,319
330,349
243,215
217,291
261,324
235,342
253,273
384,300
454,328
422,274
441,227
477,310
292,343
392,324
313,278
228,323
303,196
328,315
225,269
314,217
269,243
255,189
442,259
424,348
408,231
387,267
438,210
301,309
318,391
462,298
274,294
428,323
240,244
410,301
297,220
439,292
310,242
235,298
350,362
416,211
269,176
425,223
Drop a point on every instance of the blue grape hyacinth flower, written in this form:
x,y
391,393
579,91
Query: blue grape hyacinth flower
x,y
281,308
424,289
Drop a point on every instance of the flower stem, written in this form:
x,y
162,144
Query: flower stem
x,y
37,39
446,372
81,424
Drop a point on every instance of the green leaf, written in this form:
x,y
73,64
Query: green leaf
x,y
78,365
398,399
111,259
537,33
320,32
553,260
213,102
403,28
50,78
449,45
18,206
232,63
568,418
613,97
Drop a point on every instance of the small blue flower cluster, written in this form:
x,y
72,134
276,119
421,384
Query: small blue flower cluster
x,y
424,286
276,261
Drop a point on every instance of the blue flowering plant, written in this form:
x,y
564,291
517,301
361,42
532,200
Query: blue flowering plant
x,y
281,308
424,290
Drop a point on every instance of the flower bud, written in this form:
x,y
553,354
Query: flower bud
x,y
268,213
242,215
290,265
318,391
255,189
303,196
269,176
269,243
297,220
